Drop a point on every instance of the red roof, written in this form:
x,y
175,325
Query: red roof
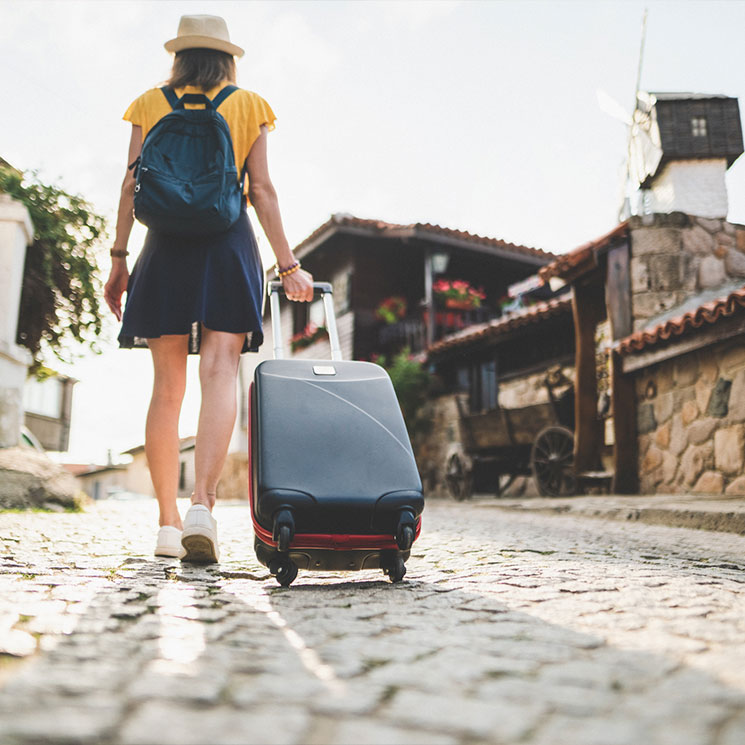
x,y
506,324
419,229
573,264
78,468
707,313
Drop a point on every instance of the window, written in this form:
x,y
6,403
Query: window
x,y
43,397
484,388
698,126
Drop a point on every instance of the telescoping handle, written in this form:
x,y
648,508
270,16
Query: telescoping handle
x,y
275,289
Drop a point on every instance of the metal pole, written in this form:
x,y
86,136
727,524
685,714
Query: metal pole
x,y
276,325
328,306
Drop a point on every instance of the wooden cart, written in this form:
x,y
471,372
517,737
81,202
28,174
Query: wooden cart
x,y
502,444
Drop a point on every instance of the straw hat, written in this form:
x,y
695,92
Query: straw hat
x,y
203,32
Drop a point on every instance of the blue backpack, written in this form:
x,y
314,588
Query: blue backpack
x,y
186,178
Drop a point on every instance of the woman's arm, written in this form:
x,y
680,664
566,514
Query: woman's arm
x,y
119,275
299,284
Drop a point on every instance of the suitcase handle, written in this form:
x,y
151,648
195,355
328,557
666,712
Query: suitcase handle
x,y
275,289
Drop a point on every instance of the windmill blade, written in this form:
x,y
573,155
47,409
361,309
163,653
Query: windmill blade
x,y
610,106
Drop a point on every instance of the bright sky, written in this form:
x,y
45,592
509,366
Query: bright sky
x,y
481,116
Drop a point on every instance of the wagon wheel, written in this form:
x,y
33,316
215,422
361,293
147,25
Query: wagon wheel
x,y
458,478
552,462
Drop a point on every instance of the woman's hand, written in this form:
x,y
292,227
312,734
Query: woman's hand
x,y
115,287
299,286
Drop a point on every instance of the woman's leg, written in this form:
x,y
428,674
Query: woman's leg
x,y
161,430
218,367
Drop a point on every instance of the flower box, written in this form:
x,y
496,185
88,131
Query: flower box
x,y
457,294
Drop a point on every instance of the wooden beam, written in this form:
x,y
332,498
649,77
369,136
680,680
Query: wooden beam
x,y
618,291
625,443
587,308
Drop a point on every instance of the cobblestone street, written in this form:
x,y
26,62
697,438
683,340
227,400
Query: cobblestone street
x,y
508,628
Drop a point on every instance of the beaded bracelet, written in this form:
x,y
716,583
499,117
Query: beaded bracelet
x,y
282,273
119,253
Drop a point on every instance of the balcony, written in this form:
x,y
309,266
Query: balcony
x,y
411,331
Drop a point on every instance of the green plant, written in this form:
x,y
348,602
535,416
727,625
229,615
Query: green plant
x,y
412,383
392,309
61,287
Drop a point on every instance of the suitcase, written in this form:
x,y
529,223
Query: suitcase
x,y
333,484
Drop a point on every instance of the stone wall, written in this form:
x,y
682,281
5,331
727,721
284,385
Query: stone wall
x,y
691,419
676,256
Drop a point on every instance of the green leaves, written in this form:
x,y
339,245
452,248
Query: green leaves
x,y
412,383
61,283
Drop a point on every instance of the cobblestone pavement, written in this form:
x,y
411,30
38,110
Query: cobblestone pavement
x,y
509,628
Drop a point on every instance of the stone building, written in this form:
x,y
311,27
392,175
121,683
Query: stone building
x,y
688,363
673,288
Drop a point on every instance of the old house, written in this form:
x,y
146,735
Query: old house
x,y
26,405
136,477
657,314
369,261
376,266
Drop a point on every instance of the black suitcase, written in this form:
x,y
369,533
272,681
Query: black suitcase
x,y
333,484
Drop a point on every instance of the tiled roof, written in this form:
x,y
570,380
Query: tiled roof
x,y
420,229
570,265
706,313
506,324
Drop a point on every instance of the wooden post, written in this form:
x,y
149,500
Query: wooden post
x,y
618,291
625,448
429,298
587,308
618,301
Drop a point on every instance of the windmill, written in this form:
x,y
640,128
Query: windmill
x,y
679,148
636,123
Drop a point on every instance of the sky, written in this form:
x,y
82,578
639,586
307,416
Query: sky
x,y
480,116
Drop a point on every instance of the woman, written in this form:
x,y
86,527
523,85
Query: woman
x,y
198,295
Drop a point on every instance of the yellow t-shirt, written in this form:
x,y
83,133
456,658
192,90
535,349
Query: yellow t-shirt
x,y
244,111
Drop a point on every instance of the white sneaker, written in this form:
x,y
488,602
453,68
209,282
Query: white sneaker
x,y
169,542
199,536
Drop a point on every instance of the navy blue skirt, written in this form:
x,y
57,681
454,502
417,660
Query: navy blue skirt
x,y
179,283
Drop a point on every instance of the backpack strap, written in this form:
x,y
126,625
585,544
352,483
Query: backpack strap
x,y
170,95
223,94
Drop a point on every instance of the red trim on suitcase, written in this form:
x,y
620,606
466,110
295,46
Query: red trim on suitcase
x,y
335,541
331,541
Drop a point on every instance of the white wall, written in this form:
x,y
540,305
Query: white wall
x,y
696,187
16,232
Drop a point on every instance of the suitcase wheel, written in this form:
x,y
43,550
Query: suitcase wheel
x,y
284,529
284,538
285,571
405,530
396,570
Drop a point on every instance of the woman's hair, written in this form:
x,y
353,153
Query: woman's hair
x,y
204,68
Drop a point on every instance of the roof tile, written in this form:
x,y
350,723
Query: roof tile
x,y
382,227
570,265
506,324
707,313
